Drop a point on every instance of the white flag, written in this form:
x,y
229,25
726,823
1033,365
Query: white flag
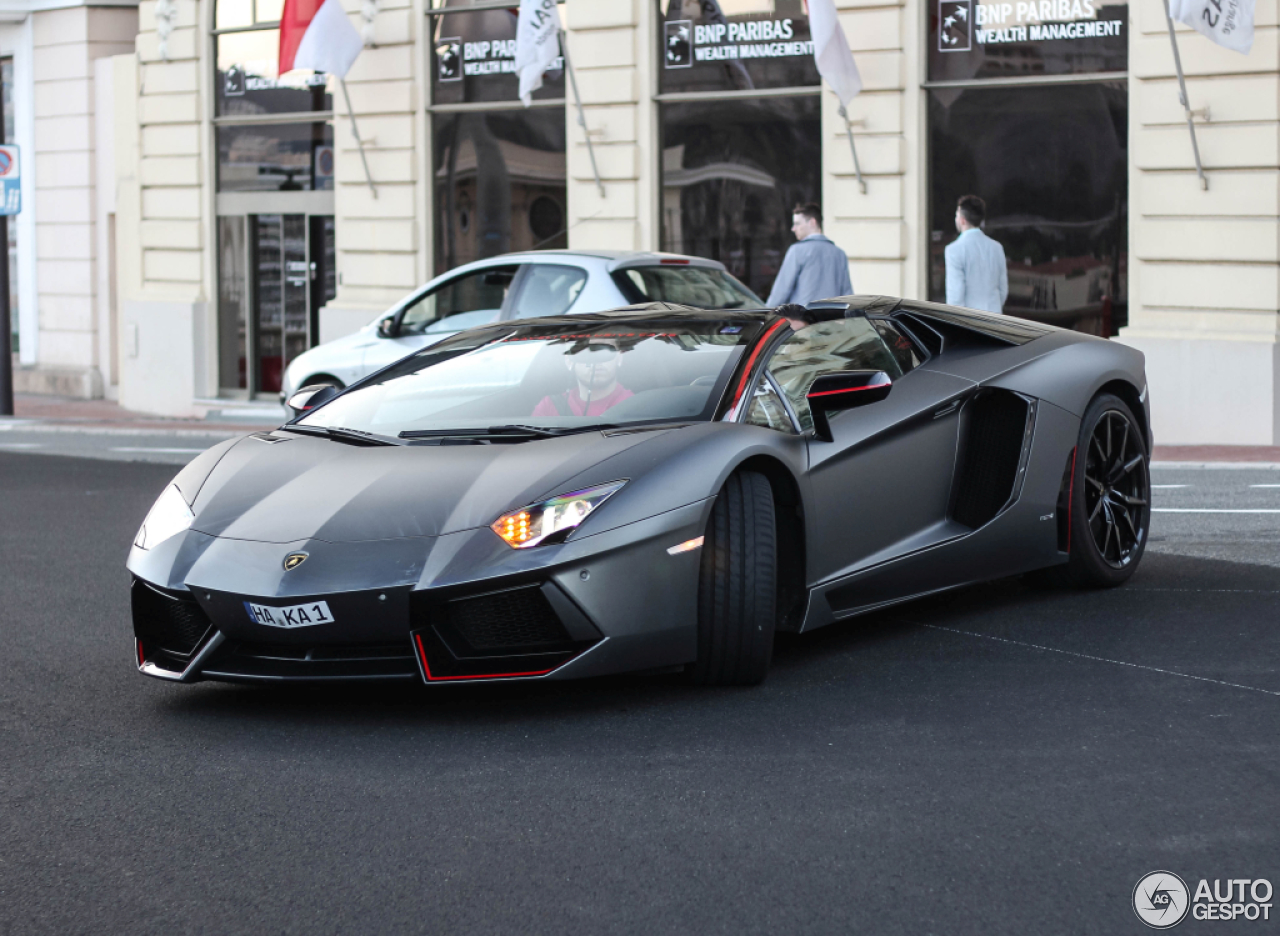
x,y
1229,23
831,51
537,43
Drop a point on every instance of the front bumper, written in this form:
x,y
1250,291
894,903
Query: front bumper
x,y
456,608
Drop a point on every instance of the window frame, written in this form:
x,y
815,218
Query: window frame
x,y
770,351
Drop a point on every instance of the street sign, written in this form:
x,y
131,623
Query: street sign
x,y
10,181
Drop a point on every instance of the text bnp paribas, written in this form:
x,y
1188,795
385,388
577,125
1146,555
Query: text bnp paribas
x,y
1041,20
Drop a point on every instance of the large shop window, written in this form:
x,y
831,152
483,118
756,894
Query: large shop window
x,y
731,173
741,132
1047,152
498,168
275,178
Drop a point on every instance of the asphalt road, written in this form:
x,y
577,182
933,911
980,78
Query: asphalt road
x,y
998,760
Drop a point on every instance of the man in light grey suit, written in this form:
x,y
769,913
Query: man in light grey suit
x,y
977,275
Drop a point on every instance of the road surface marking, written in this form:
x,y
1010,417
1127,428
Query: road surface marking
x,y
1265,485
1223,510
21,445
165,451
1156,487
1086,656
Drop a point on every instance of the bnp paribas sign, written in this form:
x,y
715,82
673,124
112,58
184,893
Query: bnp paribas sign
x,y
980,40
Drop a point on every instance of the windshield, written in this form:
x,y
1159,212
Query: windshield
x,y
550,377
699,287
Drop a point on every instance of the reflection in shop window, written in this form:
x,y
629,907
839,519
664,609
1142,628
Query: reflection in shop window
x,y
473,57
275,157
500,183
1051,163
731,173
247,83
735,45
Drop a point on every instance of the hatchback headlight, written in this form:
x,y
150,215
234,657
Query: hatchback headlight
x,y
552,520
169,515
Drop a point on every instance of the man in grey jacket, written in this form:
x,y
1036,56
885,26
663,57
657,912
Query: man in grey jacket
x,y
814,268
977,275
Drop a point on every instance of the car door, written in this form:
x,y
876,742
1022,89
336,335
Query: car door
x,y
881,488
468,300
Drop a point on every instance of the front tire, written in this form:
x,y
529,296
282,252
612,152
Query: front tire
x,y
737,591
1110,509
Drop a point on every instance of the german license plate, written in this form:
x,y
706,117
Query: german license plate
x,y
303,615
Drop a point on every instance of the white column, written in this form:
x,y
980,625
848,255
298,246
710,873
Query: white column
x,y
1204,266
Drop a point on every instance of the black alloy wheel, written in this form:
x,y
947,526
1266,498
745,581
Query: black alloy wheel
x,y
737,588
1117,493
1110,506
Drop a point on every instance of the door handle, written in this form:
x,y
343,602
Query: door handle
x,y
947,410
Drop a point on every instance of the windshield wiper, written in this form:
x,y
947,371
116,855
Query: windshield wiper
x,y
341,434
536,432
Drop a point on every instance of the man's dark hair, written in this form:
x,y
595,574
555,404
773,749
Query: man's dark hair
x,y
810,211
973,208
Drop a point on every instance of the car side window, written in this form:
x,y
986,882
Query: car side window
x,y
900,346
548,289
847,344
477,297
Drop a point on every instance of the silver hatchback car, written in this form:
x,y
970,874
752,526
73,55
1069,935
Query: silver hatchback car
x,y
513,286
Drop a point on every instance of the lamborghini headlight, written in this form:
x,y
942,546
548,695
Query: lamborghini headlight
x,y
552,520
169,515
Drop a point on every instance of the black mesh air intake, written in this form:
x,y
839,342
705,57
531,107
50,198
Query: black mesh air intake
x,y
515,632
996,421
168,627
518,619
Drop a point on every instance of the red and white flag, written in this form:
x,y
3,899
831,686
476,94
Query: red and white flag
x,y
317,35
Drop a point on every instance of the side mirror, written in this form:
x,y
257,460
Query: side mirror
x,y
308,398
832,393
387,327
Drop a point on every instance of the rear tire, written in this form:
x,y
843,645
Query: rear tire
x,y
737,591
1110,509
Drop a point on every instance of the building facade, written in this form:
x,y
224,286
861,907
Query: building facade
x,y
247,228
55,60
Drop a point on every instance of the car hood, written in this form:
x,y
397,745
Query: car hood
x,y
307,488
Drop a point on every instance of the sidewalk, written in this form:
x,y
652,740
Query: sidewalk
x,y
38,412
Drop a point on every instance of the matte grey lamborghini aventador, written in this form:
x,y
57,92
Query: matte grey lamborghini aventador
x,y
652,488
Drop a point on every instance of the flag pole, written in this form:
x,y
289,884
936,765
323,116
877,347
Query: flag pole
x,y
582,119
857,167
355,131
1182,97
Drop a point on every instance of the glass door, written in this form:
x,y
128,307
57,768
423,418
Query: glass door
x,y
275,273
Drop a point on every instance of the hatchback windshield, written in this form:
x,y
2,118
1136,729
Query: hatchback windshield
x,y
550,377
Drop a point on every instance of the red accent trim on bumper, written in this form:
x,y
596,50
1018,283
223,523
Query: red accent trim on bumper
x,y
426,668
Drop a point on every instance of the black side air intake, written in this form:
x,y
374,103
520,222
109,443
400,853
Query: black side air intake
x,y
527,630
996,427
169,627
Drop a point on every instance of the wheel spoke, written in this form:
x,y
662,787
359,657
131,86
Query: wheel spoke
x,y
1107,417
1094,439
1133,463
1124,440
1097,509
1133,501
1094,481
1129,520
1107,542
